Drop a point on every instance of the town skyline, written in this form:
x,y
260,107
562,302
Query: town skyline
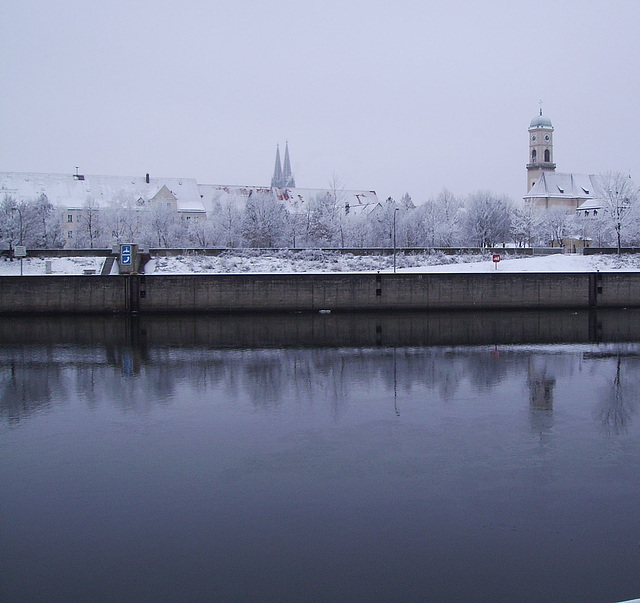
x,y
405,99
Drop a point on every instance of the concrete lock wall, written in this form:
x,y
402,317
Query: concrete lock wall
x,y
314,292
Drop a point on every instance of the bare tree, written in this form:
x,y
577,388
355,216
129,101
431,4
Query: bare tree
x,y
91,224
526,224
487,220
265,221
619,196
557,224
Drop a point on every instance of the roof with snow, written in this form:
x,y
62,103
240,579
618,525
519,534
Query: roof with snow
x,y
295,199
556,185
74,190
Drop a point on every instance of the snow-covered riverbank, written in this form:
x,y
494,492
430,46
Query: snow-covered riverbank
x,y
318,262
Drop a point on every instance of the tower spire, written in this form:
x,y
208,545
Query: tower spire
x,y
276,181
287,176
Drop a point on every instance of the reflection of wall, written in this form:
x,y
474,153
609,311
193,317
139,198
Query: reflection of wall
x,y
366,329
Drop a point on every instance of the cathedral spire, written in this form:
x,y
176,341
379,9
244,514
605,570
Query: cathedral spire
x,y
276,181
287,176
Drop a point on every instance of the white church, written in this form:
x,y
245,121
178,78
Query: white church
x,y
549,189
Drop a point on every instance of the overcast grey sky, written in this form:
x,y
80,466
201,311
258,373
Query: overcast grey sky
x,y
404,96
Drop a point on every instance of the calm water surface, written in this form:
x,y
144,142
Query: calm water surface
x,y
413,458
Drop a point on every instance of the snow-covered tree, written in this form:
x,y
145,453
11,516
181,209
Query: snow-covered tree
x,y
619,197
323,220
557,225
487,219
526,224
90,233
265,221
35,224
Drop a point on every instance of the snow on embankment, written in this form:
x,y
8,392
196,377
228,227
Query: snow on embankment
x,y
312,261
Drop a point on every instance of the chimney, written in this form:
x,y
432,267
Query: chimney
x,y
146,178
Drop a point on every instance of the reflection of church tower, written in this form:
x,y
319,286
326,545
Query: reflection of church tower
x,y
282,176
540,149
541,383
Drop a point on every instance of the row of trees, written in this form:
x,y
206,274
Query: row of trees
x,y
481,219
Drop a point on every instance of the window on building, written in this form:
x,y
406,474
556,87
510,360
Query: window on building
x,y
70,234
534,156
69,217
547,155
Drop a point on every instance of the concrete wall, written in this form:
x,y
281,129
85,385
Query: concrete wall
x,y
314,292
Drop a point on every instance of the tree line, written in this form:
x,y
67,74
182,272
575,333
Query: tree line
x,y
481,219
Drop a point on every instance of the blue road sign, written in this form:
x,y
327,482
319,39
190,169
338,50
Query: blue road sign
x,y
125,255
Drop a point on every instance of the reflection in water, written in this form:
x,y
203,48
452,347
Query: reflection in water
x,y
389,457
138,359
619,398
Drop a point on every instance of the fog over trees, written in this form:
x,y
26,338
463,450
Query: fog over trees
x,y
481,219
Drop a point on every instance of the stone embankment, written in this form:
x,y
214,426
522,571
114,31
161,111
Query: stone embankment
x,y
138,293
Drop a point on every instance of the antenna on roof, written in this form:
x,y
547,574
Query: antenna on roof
x,y
540,107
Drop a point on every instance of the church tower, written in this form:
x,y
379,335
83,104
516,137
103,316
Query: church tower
x,y
276,181
540,149
287,176
282,176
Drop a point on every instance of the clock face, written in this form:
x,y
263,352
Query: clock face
x,y
547,138
533,138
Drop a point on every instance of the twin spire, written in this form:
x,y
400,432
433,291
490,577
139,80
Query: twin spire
x,y
282,176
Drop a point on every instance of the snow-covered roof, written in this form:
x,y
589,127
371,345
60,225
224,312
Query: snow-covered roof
x,y
564,186
225,194
295,199
590,205
74,190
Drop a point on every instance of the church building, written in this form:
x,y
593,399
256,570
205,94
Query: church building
x,y
547,188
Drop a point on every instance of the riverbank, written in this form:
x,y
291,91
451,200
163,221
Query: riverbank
x,y
320,262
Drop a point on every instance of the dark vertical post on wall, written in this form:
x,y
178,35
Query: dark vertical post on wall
x,y
134,293
595,287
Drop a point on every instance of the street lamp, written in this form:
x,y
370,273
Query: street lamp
x,y
16,208
394,237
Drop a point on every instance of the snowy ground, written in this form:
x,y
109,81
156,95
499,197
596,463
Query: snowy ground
x,y
319,261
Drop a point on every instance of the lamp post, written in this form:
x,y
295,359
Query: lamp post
x,y
394,237
16,208
618,211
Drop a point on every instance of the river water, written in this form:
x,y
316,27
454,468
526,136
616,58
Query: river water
x,y
409,457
